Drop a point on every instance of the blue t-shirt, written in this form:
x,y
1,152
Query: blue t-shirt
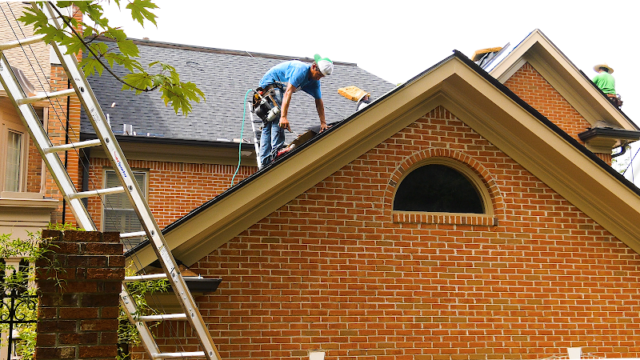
x,y
295,73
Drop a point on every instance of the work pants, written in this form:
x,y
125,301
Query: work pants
x,y
272,138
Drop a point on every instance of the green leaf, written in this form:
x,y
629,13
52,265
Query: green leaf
x,y
34,17
90,66
128,48
140,12
137,81
115,33
88,31
73,44
180,96
64,4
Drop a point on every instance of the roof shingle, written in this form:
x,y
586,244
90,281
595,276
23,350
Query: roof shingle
x,y
224,76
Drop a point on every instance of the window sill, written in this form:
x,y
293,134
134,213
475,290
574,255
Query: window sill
x,y
26,200
20,195
416,217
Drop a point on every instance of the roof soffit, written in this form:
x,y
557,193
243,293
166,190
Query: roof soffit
x,y
476,102
560,72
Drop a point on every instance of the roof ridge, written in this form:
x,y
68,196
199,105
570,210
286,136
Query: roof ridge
x,y
205,49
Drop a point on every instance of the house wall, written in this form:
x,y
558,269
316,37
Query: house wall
x,y
333,270
531,87
24,211
34,60
174,188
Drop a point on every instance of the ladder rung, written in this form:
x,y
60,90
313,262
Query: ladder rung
x,y
18,43
163,317
178,355
46,95
109,191
78,145
133,234
145,277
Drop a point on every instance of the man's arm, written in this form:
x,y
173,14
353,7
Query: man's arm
x,y
286,100
320,108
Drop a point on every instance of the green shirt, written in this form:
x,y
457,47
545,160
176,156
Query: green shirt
x,y
605,82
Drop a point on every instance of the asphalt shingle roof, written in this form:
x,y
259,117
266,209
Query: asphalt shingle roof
x,y
224,76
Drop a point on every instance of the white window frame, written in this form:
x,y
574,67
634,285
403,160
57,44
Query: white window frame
x,y
104,203
5,129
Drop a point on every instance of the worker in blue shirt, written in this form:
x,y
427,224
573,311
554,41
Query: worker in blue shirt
x,y
289,77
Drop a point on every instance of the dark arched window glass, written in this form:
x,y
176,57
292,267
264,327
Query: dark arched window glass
x,y
437,188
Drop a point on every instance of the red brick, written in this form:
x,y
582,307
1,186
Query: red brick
x,y
99,300
99,325
93,352
74,339
45,326
82,236
78,313
46,340
44,353
102,249
86,261
105,274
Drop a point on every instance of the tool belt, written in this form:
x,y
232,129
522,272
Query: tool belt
x,y
615,99
264,104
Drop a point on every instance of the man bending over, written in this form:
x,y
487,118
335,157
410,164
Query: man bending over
x,y
287,78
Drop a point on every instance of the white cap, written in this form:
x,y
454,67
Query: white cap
x,y
325,65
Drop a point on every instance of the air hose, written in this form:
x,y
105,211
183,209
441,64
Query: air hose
x,y
244,113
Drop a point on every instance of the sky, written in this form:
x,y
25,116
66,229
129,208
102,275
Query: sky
x,y
396,40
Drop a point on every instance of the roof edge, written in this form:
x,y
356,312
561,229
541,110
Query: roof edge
x,y
509,60
204,49
550,124
171,141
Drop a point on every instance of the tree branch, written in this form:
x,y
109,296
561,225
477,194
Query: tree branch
x,y
98,58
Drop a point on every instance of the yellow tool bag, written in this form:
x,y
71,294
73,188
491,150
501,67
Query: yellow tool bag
x,y
353,93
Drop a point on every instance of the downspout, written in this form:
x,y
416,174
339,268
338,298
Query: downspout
x,y
66,153
85,154
623,150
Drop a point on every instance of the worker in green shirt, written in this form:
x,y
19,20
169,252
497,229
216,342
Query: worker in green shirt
x,y
604,80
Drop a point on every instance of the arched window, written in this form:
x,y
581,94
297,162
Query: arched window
x,y
442,186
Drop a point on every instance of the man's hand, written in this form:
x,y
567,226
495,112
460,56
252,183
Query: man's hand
x,y
320,108
284,123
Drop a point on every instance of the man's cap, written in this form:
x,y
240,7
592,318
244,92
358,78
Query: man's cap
x,y
603,65
325,65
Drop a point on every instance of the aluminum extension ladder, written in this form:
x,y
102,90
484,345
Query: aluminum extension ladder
x,y
107,140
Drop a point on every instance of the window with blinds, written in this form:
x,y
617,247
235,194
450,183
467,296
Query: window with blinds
x,y
14,158
119,214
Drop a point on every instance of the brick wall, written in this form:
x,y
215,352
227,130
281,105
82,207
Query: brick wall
x,y
174,188
332,269
531,87
80,320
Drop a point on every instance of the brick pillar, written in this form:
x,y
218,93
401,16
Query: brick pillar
x,y
80,320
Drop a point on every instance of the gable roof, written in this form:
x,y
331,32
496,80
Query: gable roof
x,y
224,76
466,90
562,74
